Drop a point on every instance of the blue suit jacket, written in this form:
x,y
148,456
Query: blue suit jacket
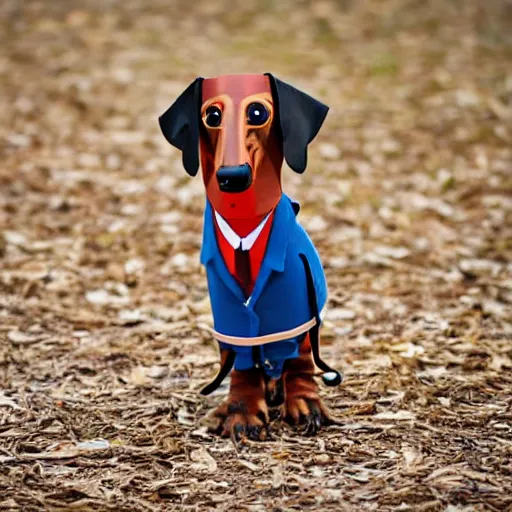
x,y
279,300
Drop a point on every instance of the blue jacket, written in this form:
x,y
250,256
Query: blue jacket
x,y
279,300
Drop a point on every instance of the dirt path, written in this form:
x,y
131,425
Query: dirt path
x,y
104,315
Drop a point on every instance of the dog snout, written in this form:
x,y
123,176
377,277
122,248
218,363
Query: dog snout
x,y
234,178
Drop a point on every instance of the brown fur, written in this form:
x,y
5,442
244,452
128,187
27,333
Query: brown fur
x,y
302,401
246,413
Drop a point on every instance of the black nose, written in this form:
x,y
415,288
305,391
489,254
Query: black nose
x,y
235,178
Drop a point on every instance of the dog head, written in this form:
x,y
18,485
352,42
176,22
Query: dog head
x,y
244,125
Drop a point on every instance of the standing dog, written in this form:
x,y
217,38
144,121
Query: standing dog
x,y
265,278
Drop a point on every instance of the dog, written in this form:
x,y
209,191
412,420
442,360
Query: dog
x,y
265,279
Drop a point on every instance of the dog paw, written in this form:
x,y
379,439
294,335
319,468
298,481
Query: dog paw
x,y
237,421
309,412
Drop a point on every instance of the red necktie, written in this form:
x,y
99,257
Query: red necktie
x,y
243,269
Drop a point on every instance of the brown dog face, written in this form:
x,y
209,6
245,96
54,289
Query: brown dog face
x,y
244,125
241,145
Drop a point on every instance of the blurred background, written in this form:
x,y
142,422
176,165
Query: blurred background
x,y
103,304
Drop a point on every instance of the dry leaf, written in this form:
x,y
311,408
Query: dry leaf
x,y
395,416
203,461
277,477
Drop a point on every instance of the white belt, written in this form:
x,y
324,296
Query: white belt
x,y
267,338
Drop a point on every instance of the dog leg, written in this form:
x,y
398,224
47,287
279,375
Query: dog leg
x,y
303,404
245,413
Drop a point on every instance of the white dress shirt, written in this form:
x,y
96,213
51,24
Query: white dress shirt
x,y
234,240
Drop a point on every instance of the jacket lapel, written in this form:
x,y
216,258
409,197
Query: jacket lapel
x,y
211,255
275,253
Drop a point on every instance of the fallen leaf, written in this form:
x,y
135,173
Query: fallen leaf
x,y
401,415
203,461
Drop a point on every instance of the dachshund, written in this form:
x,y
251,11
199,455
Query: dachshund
x,y
265,279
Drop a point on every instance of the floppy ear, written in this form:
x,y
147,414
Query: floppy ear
x,y
300,116
180,125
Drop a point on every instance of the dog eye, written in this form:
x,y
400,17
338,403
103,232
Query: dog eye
x,y
213,116
257,114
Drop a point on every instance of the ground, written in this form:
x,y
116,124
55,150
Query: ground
x,y
105,323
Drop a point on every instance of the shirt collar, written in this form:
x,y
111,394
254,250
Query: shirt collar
x,y
246,242
275,254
